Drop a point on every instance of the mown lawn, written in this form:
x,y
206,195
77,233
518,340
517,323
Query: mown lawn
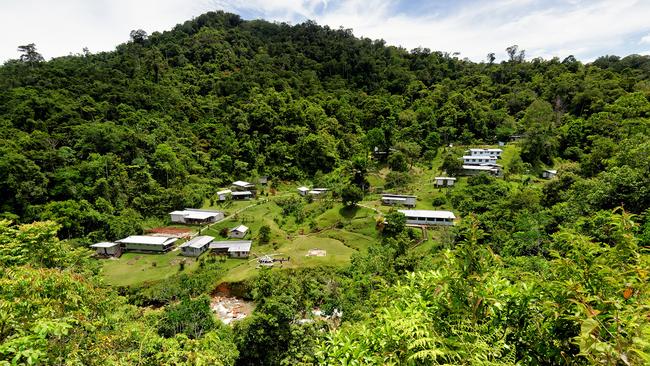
x,y
135,268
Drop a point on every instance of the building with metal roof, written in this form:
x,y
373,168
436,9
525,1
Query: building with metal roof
x,y
145,243
195,216
238,232
398,199
234,248
196,246
429,217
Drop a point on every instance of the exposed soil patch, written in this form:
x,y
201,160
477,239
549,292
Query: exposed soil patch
x,y
229,309
177,232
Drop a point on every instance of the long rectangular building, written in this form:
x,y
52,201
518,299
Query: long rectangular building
x,y
234,248
428,217
398,199
195,216
144,243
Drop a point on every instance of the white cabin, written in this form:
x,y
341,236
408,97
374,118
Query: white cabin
x,y
398,199
303,190
238,232
224,195
107,249
444,181
429,217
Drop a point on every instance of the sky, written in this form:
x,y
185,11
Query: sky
x,y
585,29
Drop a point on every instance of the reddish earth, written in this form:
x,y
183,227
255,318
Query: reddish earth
x,y
173,231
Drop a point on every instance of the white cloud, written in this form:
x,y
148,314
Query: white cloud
x,y
584,28
645,39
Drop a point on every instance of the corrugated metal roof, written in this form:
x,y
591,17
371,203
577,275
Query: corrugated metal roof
x,y
148,240
397,195
240,228
241,183
445,178
232,245
104,244
429,214
198,242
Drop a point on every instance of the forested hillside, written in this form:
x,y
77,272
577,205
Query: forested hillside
x,y
93,146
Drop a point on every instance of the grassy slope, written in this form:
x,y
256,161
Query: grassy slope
x,y
331,227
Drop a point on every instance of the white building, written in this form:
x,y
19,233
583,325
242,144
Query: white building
x,y
444,181
318,191
238,232
478,169
303,190
398,199
479,160
196,246
485,152
241,185
549,173
144,243
107,249
234,248
428,217
195,216
224,195
242,195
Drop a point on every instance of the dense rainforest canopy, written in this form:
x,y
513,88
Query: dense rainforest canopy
x,y
94,145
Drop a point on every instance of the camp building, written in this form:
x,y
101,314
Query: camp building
x,y
224,195
107,249
479,160
444,181
238,232
195,216
144,243
549,174
303,190
398,199
242,195
428,217
241,185
485,152
196,246
478,169
234,248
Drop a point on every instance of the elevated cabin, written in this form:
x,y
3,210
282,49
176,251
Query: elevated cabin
x,y
238,232
195,216
224,195
444,181
148,244
196,246
264,180
242,195
107,249
478,169
303,190
241,185
549,174
479,160
398,199
429,217
485,152
234,248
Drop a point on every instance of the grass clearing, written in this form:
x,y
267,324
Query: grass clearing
x,y
135,268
